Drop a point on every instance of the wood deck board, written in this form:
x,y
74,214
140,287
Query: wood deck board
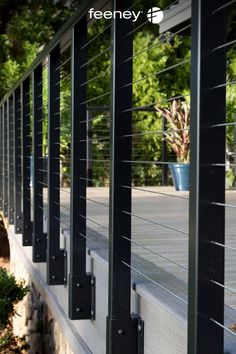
x,y
169,212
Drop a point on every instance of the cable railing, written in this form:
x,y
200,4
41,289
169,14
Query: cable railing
x,y
89,136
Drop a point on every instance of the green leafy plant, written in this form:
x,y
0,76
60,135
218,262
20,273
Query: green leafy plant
x,y
178,134
11,292
230,177
12,344
5,339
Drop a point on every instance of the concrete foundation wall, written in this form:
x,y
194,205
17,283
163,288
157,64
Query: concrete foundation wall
x,y
43,313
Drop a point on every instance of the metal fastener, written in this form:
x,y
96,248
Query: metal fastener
x,y
140,328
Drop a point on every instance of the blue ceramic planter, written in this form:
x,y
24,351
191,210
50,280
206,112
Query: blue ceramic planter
x,y
180,176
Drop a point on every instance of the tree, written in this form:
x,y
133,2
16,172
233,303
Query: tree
x,y
26,27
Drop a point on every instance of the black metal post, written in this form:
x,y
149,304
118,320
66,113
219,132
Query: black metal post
x,y
55,255
207,222
26,153
39,237
5,159
18,161
164,154
122,329
80,283
11,143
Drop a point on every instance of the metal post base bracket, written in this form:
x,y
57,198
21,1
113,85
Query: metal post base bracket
x,y
18,224
56,267
82,297
125,336
39,248
27,234
11,216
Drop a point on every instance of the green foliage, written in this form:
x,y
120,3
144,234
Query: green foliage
x,y
65,131
100,148
165,51
11,292
10,70
153,86
100,65
231,98
230,178
10,343
28,28
5,340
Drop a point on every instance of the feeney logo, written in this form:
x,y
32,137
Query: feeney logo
x,y
127,15
154,15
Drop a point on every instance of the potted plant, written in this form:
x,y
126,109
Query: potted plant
x,y
177,137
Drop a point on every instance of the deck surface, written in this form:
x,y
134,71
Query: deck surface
x,y
159,234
